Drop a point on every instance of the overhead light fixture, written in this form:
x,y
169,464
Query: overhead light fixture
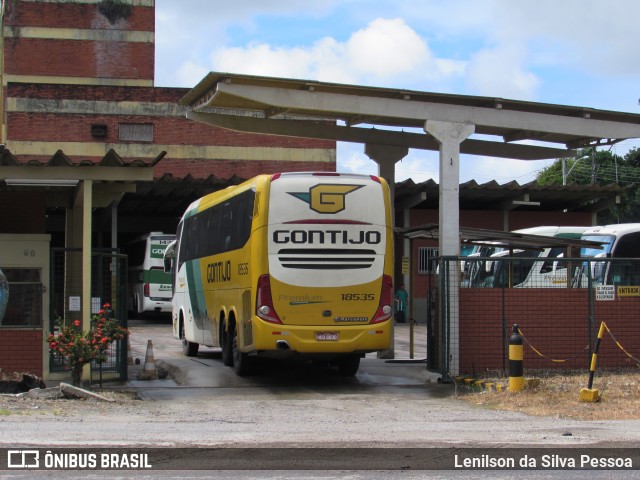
x,y
37,182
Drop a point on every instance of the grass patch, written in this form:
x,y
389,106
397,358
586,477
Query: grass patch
x,y
558,396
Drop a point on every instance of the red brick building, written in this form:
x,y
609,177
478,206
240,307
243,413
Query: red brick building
x,y
78,92
79,80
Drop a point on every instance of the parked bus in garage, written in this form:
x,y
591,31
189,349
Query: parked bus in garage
x,y
621,244
527,268
292,264
149,285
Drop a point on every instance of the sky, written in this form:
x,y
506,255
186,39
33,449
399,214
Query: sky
x,y
584,53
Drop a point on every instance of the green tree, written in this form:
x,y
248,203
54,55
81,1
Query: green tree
x,y
603,168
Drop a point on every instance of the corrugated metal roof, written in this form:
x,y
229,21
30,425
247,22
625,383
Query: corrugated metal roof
x,y
492,195
481,236
60,159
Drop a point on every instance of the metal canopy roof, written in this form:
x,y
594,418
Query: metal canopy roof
x,y
512,195
497,238
310,109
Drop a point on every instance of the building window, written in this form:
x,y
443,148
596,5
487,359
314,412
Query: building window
x,y
24,291
136,132
428,259
99,130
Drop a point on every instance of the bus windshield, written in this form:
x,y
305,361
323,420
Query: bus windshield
x,y
606,240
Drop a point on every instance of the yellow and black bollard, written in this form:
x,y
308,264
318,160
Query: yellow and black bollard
x,y
591,394
516,357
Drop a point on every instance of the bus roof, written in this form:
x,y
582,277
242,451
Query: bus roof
x,y
614,229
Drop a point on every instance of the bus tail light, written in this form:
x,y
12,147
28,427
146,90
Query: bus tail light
x,y
146,291
386,301
264,302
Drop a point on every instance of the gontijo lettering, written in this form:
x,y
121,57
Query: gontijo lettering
x,y
219,272
332,237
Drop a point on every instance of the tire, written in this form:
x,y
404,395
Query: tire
x,y
226,342
189,349
349,365
242,363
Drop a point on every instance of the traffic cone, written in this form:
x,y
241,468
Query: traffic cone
x,y
149,371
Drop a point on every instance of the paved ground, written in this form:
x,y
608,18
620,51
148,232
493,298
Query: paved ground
x,y
408,366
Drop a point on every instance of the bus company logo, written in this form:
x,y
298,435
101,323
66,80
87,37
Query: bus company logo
x,y
325,197
23,459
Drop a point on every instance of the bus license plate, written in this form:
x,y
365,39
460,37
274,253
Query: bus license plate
x,y
327,336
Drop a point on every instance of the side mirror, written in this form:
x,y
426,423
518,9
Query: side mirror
x,y
169,254
168,263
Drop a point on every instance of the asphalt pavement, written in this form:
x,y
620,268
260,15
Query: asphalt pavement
x,y
407,367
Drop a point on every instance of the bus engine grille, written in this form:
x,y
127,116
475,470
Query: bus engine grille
x,y
326,258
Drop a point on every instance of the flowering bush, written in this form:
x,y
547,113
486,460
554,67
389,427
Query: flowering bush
x,y
80,347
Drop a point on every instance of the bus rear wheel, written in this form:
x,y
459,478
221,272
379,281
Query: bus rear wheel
x,y
349,365
189,349
242,363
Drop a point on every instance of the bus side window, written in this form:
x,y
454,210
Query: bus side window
x,y
628,246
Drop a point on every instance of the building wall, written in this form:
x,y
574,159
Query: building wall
x,y
22,346
554,321
21,351
63,41
42,119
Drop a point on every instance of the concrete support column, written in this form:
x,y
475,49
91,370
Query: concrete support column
x,y
386,156
80,229
450,135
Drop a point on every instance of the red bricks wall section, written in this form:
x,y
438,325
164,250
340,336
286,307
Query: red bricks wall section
x,y
46,57
47,127
21,351
75,15
554,321
94,92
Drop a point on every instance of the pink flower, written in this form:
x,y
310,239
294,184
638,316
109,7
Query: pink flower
x,y
76,323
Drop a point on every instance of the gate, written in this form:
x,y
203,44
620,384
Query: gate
x,y
108,286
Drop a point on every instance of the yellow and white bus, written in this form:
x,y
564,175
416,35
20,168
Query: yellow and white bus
x,y
286,264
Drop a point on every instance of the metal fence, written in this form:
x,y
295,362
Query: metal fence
x,y
558,305
108,286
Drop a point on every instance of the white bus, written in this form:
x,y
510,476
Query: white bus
x,y
525,270
618,241
149,285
